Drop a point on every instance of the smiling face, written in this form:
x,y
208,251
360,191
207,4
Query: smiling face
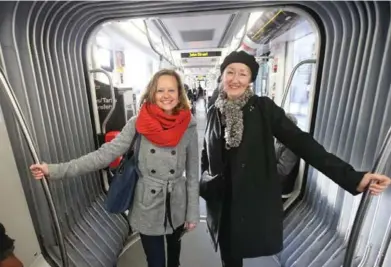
x,y
236,79
167,94
166,90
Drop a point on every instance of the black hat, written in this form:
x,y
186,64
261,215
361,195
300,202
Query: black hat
x,y
241,57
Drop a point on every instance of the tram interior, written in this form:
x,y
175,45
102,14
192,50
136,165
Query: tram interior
x,y
74,99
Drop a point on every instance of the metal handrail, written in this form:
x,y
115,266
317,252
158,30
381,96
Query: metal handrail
x,y
362,210
112,95
23,125
288,85
153,47
244,32
384,247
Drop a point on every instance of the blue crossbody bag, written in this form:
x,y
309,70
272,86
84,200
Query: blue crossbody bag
x,y
122,188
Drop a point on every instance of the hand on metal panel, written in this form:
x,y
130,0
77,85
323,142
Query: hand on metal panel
x,y
39,170
376,183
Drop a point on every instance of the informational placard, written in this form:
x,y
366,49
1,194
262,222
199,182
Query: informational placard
x,y
104,102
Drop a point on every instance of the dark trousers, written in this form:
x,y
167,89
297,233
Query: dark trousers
x,y
225,242
227,258
155,252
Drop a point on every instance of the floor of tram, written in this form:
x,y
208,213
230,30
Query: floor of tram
x,y
197,249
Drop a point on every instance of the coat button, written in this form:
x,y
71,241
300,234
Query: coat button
x,y
243,165
153,191
152,151
153,171
173,152
172,171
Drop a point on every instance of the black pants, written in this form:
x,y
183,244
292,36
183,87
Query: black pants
x,y
226,252
225,243
155,252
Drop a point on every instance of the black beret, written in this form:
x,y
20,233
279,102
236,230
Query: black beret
x,y
241,57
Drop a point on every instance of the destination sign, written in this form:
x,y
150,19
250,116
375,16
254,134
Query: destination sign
x,y
201,54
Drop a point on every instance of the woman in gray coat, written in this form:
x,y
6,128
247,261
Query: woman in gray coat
x,y
166,201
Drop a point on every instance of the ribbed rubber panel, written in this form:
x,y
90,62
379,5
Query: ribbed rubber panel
x,y
44,55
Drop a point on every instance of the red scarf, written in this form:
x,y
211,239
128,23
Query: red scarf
x,y
162,129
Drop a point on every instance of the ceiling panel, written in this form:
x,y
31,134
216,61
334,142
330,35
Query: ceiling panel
x,y
197,35
194,32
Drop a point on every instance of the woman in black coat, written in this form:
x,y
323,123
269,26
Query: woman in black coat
x,y
239,182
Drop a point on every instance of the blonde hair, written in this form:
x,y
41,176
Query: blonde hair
x,y
148,95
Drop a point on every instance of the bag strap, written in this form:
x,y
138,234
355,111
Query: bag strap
x,y
137,139
131,147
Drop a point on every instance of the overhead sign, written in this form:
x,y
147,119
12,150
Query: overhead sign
x,y
201,54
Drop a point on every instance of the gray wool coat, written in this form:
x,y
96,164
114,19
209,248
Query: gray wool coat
x,y
162,170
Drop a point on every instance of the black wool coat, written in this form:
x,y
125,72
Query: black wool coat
x,y
256,205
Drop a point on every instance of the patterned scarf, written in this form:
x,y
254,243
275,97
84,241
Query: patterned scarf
x,y
232,116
